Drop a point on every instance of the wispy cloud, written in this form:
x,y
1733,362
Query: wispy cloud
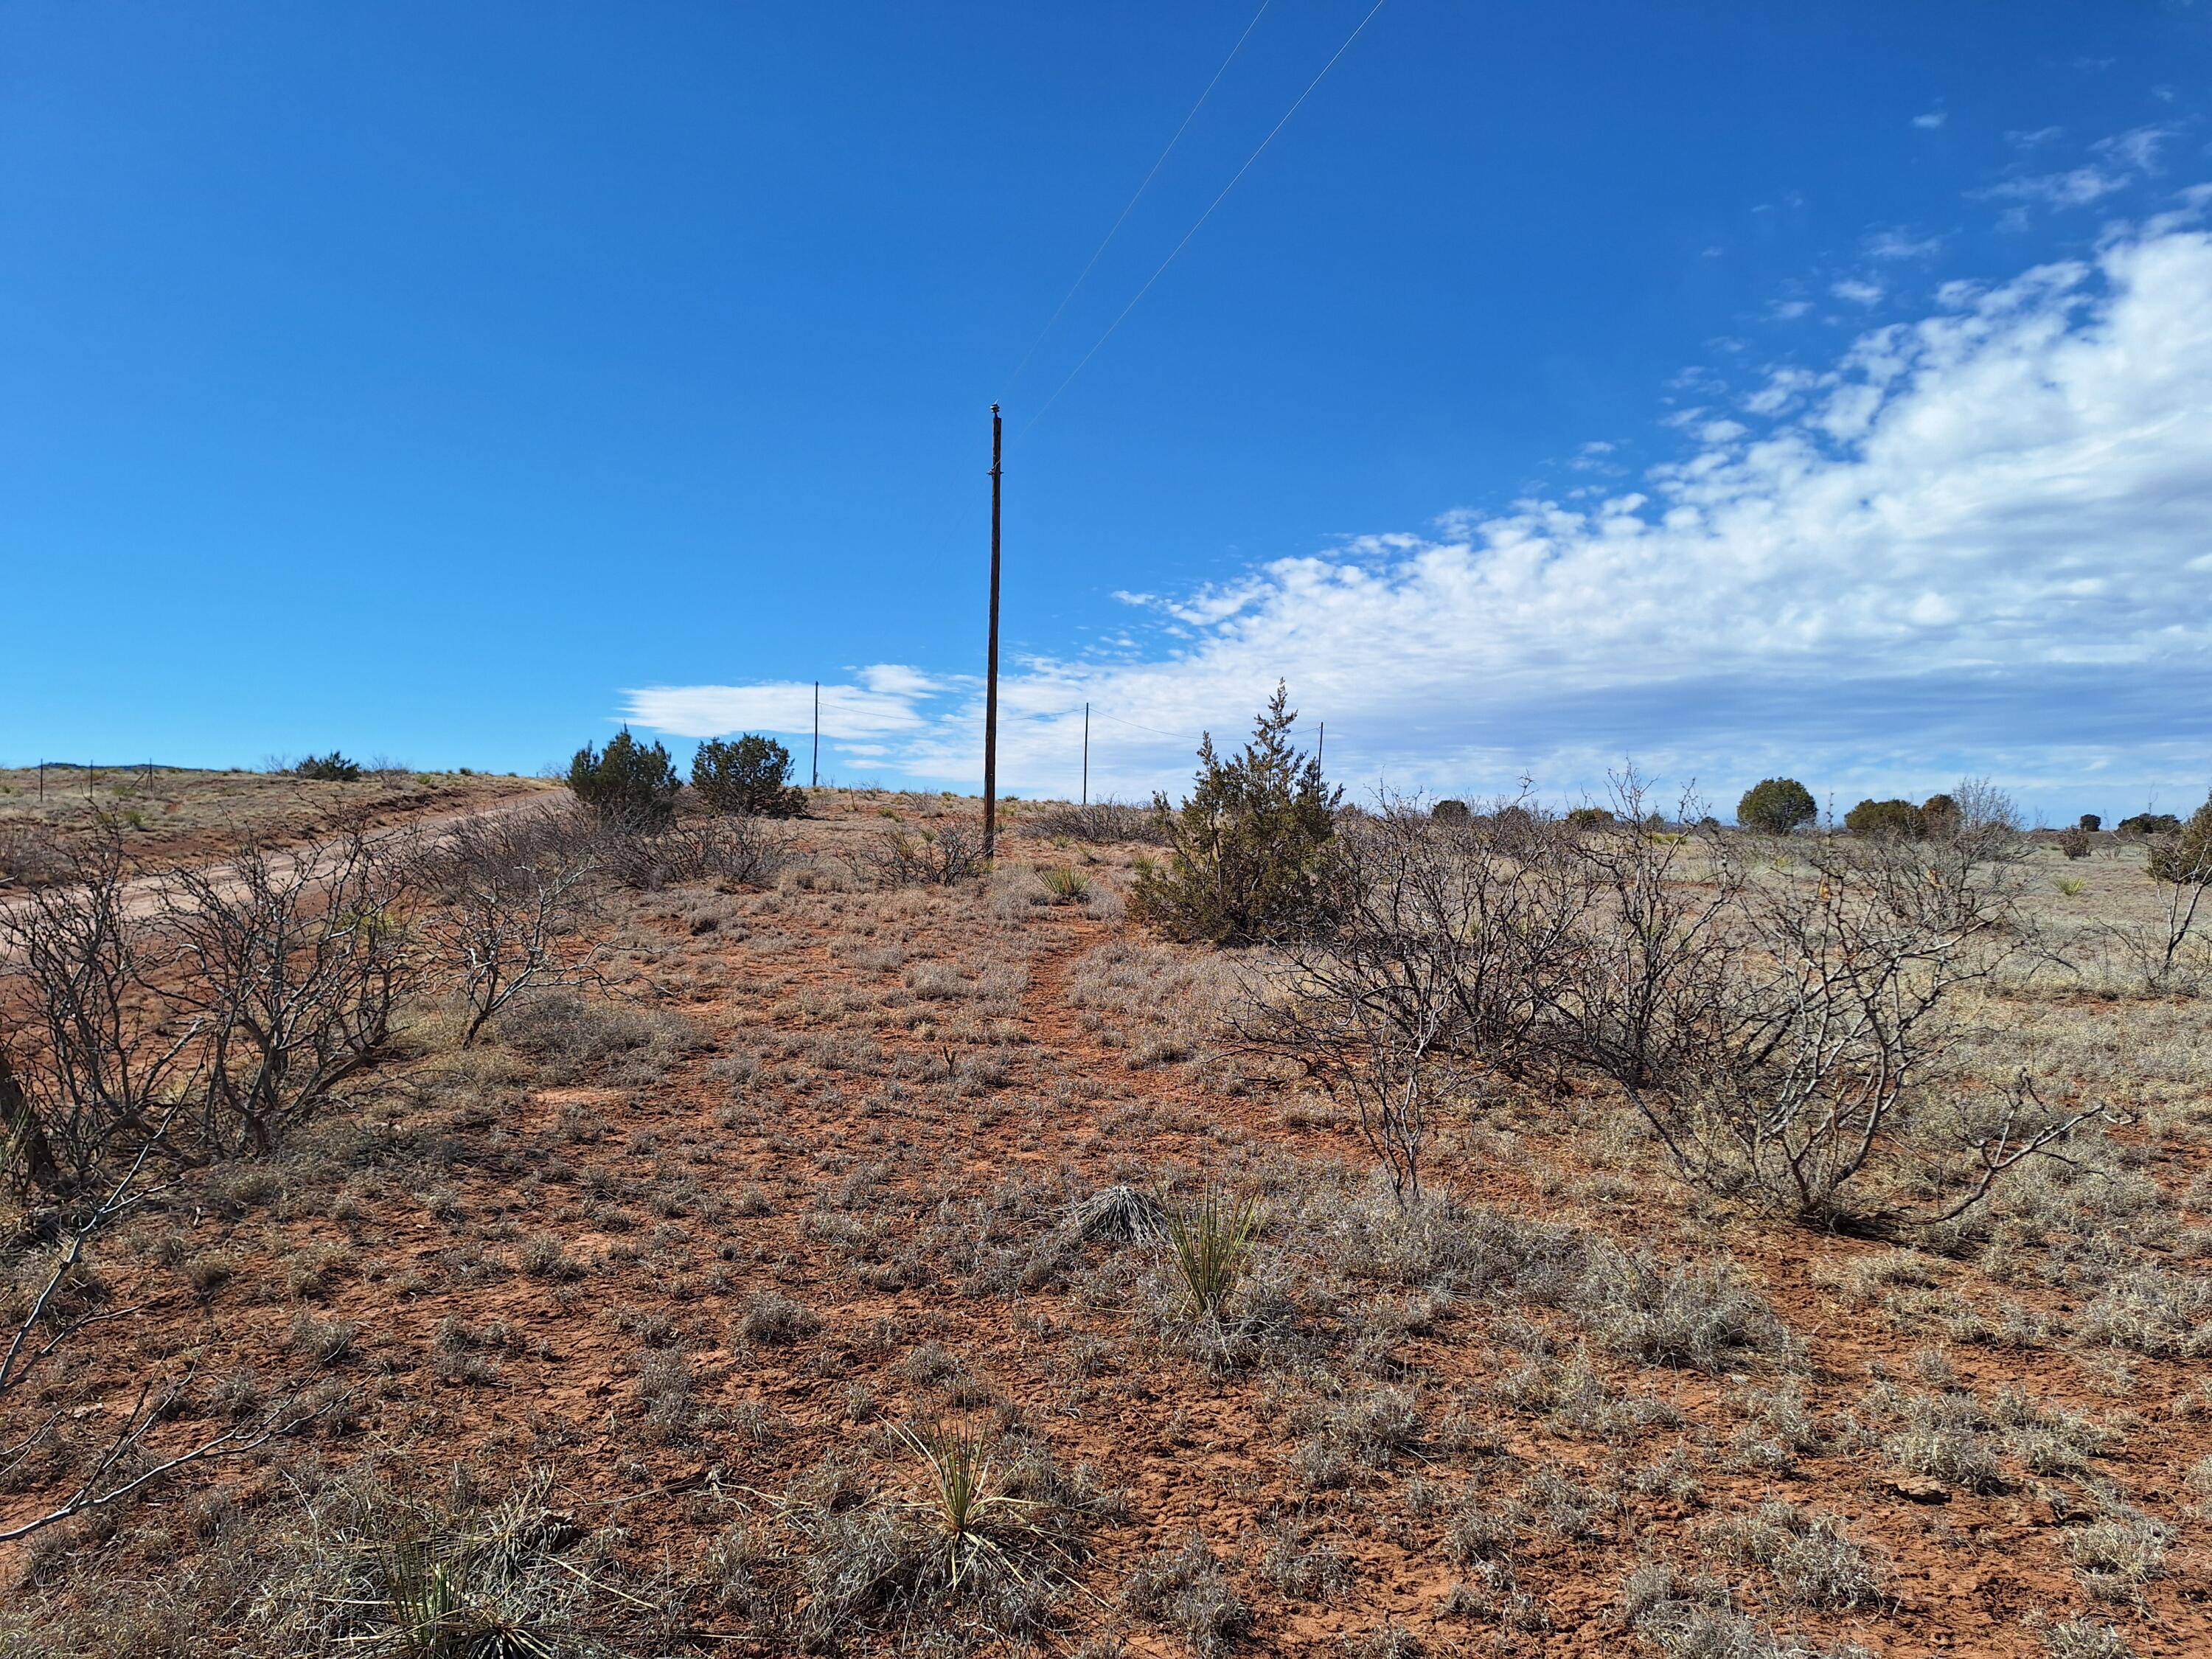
x,y
1973,541
1929,122
1898,245
2118,161
887,702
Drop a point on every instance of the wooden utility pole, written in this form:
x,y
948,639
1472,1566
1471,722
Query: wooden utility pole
x,y
991,666
817,734
1086,754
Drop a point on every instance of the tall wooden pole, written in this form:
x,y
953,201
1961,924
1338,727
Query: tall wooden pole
x,y
991,667
817,734
1086,754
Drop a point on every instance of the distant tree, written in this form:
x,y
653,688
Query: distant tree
x,y
1449,812
1775,806
2148,823
1589,817
627,780
750,778
1251,854
2090,823
1885,820
333,767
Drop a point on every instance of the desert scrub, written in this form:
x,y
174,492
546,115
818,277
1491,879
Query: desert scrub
x,y
1701,1316
388,1573
575,1038
1185,1591
982,1531
1813,1564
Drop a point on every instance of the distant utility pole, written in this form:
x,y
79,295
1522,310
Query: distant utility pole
x,y
817,734
991,666
1320,746
1086,754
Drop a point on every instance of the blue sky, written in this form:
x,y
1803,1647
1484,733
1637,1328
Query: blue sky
x,y
1823,389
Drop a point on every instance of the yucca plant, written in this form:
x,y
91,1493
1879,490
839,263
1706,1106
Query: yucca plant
x,y
1211,1242
1067,884
970,1519
443,1603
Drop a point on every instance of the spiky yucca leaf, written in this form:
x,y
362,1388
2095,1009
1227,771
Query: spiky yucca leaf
x,y
1211,1240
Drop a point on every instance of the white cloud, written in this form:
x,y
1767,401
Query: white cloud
x,y
1858,293
1928,123
2121,160
1974,541
784,706
1896,244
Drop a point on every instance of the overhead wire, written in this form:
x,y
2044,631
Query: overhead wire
x,y
1357,29
1130,207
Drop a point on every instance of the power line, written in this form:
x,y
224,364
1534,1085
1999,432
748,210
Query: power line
x,y
1356,31
1097,253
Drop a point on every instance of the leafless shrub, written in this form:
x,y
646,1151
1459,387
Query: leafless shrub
x,y
29,856
746,851
289,967
1788,1035
1449,959
508,894
1099,823
943,857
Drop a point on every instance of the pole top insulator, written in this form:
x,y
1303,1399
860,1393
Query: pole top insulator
x,y
994,408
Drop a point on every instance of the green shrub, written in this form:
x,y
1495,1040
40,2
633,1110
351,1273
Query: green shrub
x,y
1775,806
1939,815
2149,823
2183,855
1589,817
750,778
333,767
627,780
1449,812
2089,823
1252,855
1885,820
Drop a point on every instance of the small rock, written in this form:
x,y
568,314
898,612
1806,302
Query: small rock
x,y
1921,1491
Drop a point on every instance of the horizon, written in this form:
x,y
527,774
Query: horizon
x,y
1826,396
